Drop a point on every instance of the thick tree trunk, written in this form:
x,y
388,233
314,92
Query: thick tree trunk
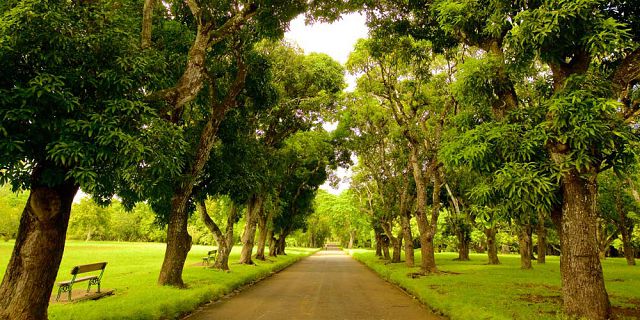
x,y
147,23
583,289
178,242
542,239
263,225
282,242
405,220
249,235
524,237
492,246
33,267
629,252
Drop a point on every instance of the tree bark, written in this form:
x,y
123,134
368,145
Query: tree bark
x,y
178,241
393,241
249,235
524,237
225,240
263,225
385,248
584,293
33,267
427,229
629,252
463,246
405,220
542,239
492,246
378,245
352,237
273,252
147,23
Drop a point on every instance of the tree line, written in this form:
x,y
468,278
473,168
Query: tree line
x,y
492,111
194,111
499,112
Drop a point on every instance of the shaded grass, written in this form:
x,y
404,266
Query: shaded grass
x,y
133,269
475,290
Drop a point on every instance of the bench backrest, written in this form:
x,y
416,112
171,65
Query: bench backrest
x,y
88,268
212,252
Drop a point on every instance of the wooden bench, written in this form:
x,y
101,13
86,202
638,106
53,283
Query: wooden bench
x,y
211,255
67,286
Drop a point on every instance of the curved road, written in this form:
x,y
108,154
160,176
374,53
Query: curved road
x,y
327,285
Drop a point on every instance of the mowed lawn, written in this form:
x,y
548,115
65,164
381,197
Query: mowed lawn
x,y
133,269
475,290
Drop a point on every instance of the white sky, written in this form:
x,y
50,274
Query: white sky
x,y
337,40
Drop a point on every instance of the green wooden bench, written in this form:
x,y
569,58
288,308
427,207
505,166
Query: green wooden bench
x,y
211,256
67,286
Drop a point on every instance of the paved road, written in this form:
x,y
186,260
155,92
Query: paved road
x,y
327,285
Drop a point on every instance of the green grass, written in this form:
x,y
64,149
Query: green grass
x,y
475,290
133,270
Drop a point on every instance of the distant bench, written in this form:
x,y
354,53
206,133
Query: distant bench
x,y
67,286
211,255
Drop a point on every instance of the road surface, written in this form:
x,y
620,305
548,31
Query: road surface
x,y
327,285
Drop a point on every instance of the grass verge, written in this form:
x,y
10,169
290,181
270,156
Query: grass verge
x,y
475,290
133,270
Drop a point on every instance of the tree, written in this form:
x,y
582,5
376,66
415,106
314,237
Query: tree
x,y
71,117
591,62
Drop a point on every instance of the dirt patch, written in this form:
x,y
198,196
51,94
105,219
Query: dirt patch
x,y
536,298
537,285
437,288
80,295
625,313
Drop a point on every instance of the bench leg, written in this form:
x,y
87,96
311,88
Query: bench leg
x,y
89,287
70,293
59,292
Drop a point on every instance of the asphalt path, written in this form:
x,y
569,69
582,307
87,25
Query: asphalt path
x,y
326,285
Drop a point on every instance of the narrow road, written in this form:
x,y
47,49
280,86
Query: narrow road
x,y
327,285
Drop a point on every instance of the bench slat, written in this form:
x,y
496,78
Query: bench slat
x,y
78,280
89,267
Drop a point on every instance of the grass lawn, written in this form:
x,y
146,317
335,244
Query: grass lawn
x,y
133,269
475,290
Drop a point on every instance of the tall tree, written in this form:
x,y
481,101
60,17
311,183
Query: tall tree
x,y
70,117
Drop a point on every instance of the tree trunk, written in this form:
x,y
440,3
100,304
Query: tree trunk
x,y
178,241
492,246
405,220
427,230
378,245
273,251
463,246
249,235
583,289
629,252
352,237
263,225
281,243
542,239
393,241
33,267
385,248
224,240
524,237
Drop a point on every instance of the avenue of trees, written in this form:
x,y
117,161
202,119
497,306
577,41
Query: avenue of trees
x,y
471,119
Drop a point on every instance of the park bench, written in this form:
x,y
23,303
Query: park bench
x,y
67,286
211,255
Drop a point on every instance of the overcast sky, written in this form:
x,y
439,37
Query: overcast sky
x,y
336,40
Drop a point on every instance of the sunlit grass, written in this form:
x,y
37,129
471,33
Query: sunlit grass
x,y
475,290
133,270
